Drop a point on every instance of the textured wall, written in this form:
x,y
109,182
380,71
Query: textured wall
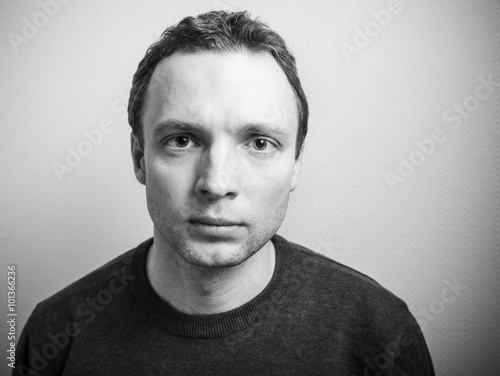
x,y
401,171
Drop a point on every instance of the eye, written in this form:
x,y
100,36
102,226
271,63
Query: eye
x,y
180,142
261,144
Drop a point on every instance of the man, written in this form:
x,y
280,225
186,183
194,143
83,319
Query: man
x,y
219,119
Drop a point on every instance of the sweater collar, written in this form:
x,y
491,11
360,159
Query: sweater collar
x,y
181,324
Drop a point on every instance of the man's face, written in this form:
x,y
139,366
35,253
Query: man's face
x,y
219,154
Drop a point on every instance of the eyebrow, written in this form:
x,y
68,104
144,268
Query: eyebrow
x,y
258,128
263,128
176,124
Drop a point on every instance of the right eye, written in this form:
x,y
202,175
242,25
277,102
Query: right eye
x,y
180,142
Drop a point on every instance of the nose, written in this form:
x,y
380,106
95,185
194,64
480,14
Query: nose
x,y
218,173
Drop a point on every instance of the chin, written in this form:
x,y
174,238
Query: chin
x,y
208,257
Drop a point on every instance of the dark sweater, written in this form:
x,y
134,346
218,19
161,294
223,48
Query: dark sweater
x,y
315,317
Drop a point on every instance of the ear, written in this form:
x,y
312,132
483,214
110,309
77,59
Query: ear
x,y
296,170
138,158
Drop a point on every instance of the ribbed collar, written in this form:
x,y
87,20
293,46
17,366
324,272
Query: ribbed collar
x,y
216,325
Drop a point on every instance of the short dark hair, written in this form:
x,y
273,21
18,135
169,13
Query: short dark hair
x,y
217,31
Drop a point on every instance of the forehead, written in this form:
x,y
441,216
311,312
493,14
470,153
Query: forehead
x,y
212,87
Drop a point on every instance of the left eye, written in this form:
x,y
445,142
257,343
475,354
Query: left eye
x,y
179,142
261,144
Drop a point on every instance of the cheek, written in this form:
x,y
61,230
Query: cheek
x,y
167,185
272,188
269,202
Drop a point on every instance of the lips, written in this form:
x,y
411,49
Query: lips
x,y
215,221
216,227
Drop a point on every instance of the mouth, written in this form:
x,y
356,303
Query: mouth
x,y
216,227
218,222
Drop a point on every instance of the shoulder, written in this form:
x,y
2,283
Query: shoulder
x,y
57,320
101,283
359,314
341,303
343,291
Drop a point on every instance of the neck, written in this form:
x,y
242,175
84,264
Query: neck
x,y
201,290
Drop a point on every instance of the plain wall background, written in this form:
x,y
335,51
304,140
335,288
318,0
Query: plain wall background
x,y
438,225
